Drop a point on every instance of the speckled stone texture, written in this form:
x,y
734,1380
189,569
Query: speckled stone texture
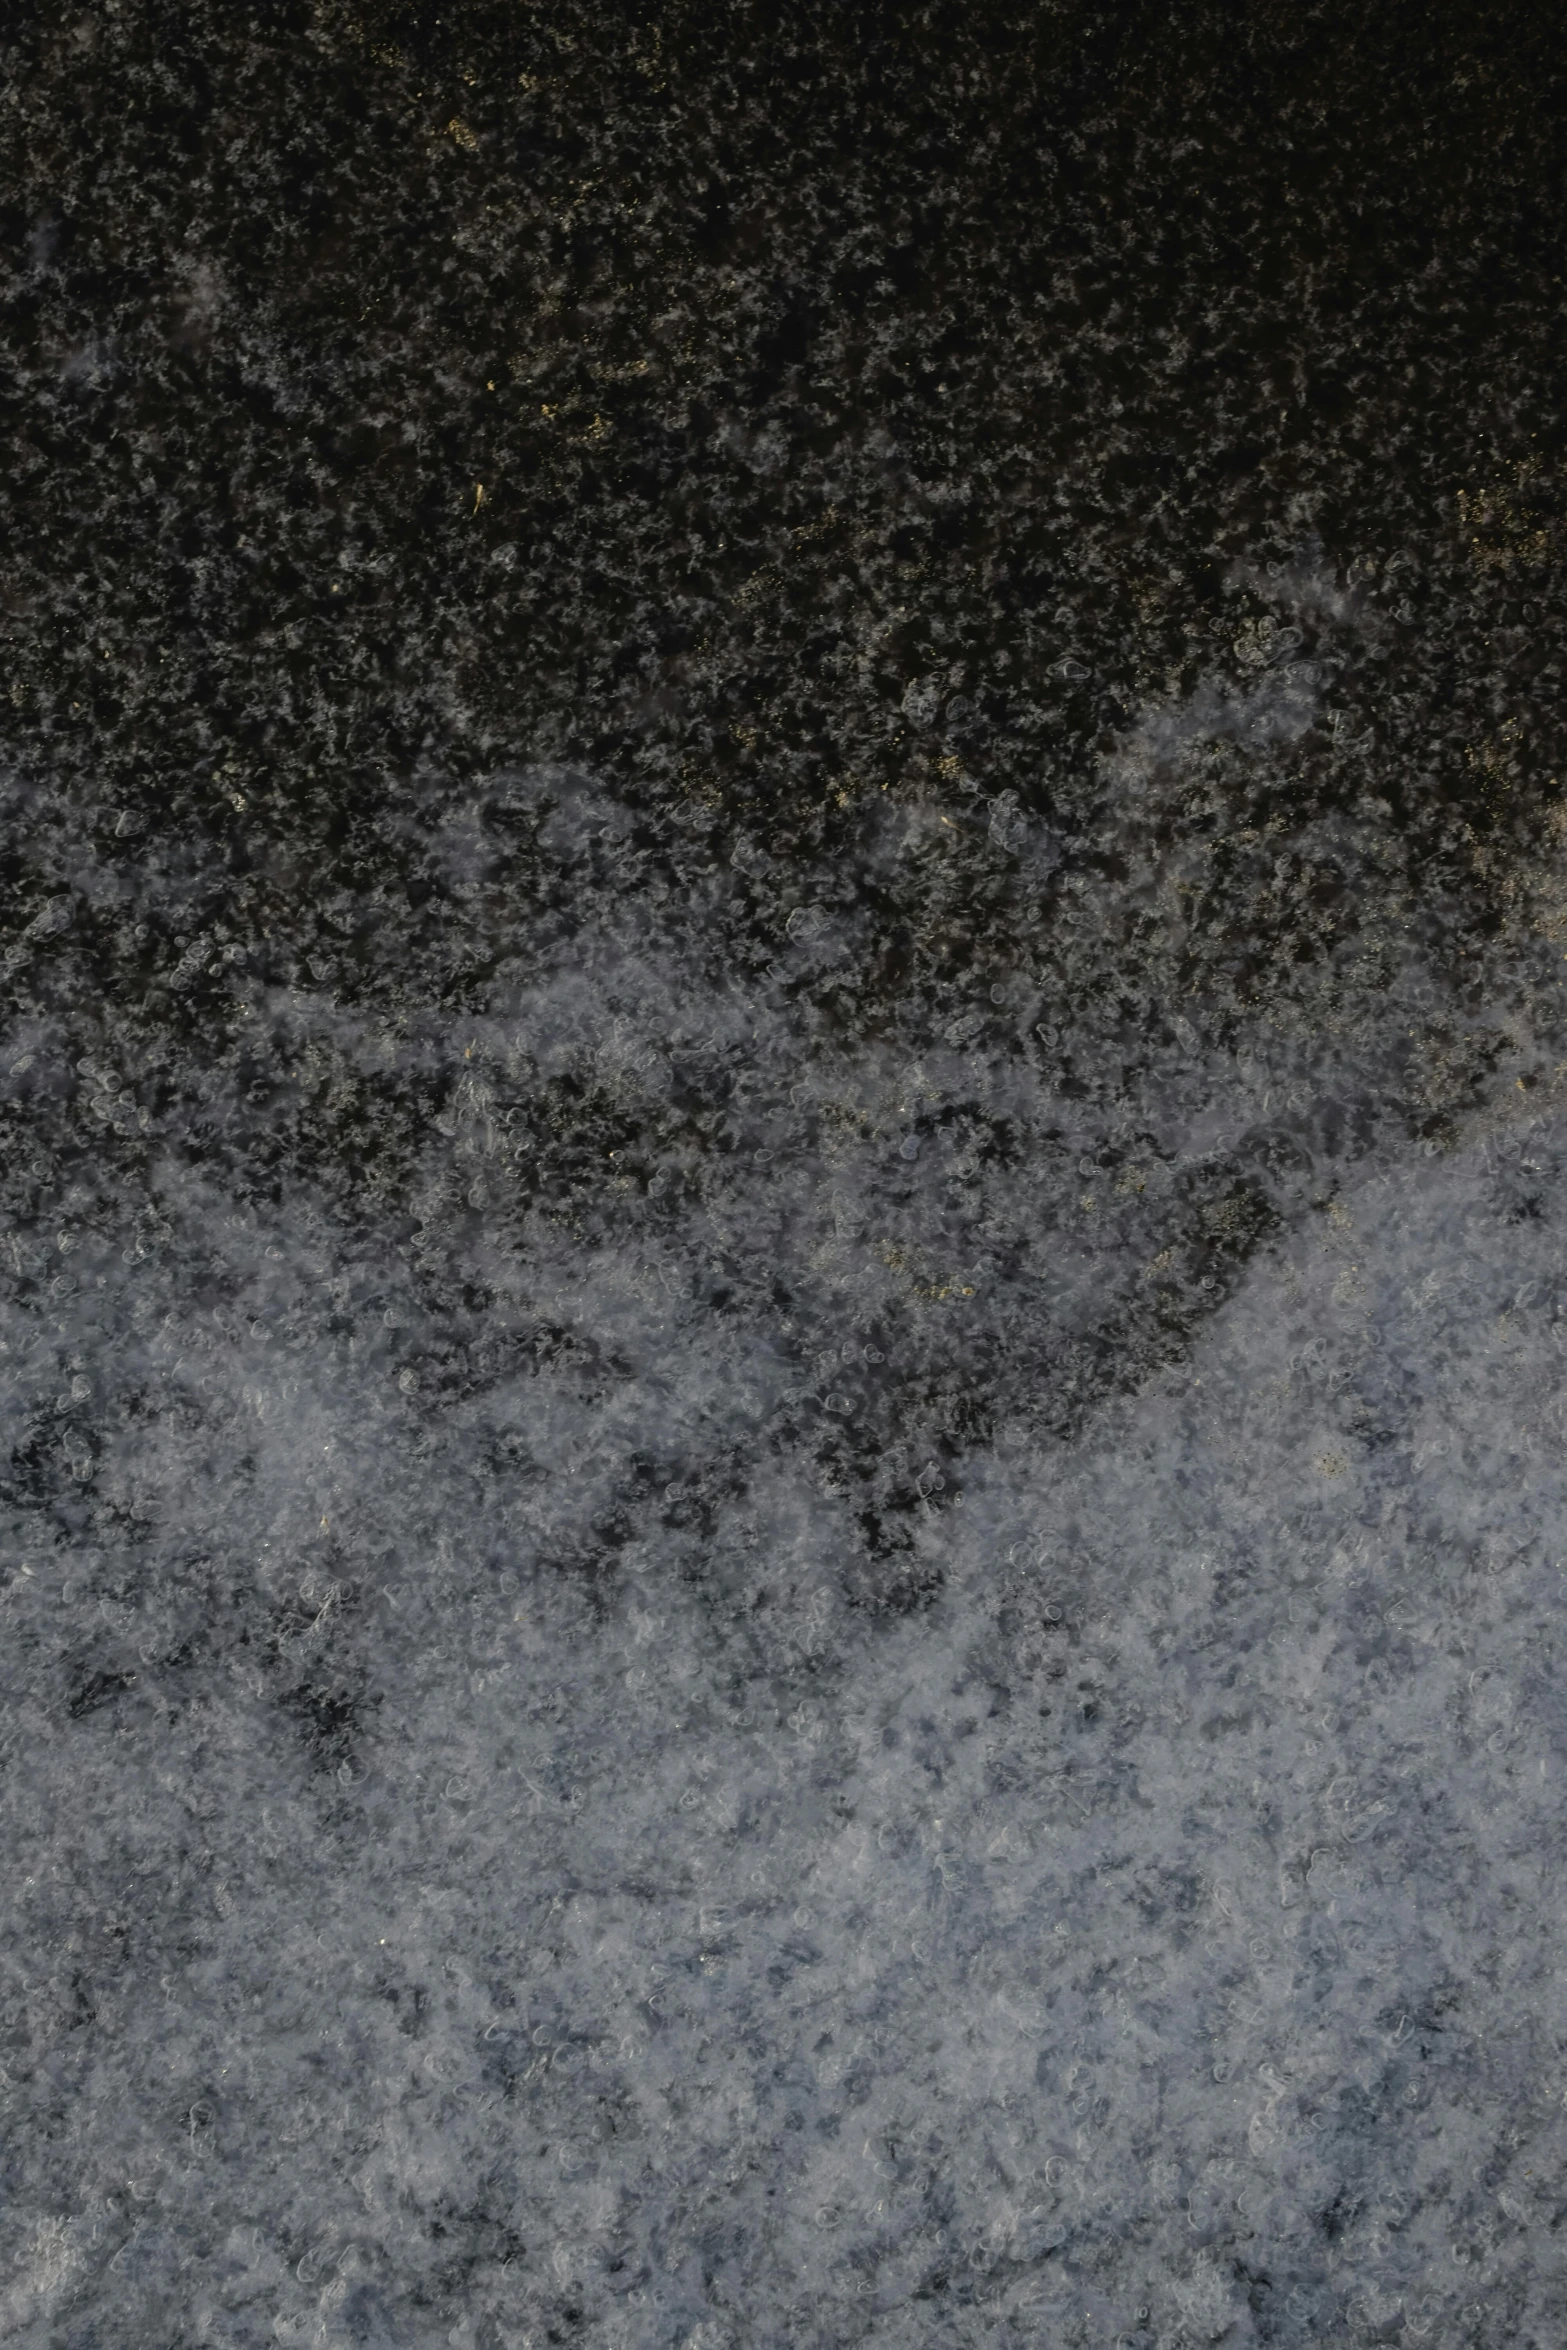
x,y
783,1062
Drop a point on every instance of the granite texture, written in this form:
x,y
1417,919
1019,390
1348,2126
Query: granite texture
x,y
782,1281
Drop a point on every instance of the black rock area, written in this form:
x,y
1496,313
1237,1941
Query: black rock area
x,y
783,1074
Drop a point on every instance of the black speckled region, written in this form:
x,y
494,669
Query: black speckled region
x,y
783,922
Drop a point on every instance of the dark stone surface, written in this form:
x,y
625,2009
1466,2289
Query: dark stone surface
x,y
784,897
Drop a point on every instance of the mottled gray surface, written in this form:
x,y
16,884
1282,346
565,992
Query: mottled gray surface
x,y
782,1179
484,1846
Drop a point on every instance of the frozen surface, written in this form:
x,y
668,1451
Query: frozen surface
x,y
783,1179
489,1836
